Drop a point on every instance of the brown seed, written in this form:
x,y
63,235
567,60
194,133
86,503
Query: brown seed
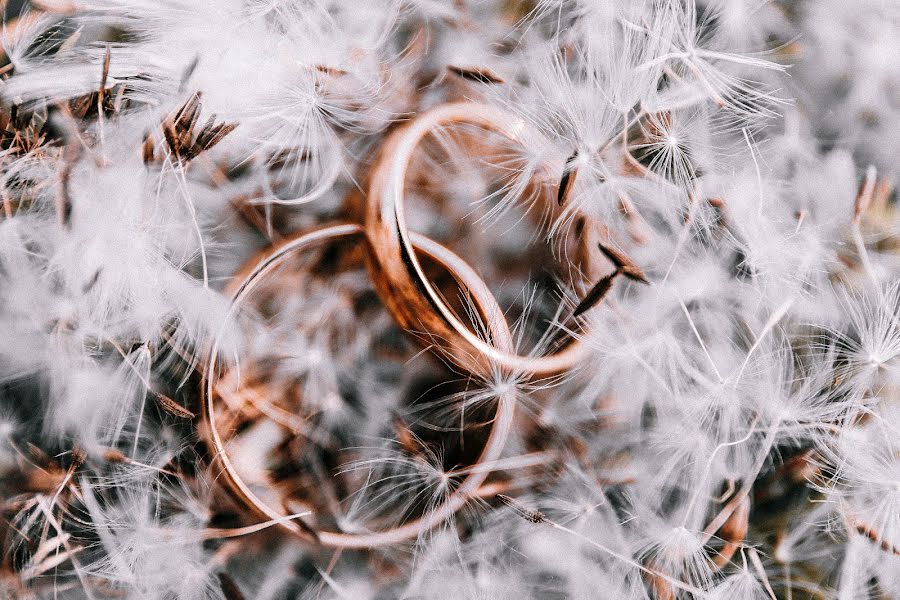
x,y
876,537
617,258
624,264
172,138
866,191
104,75
477,74
662,589
114,456
173,408
331,71
182,136
211,135
532,516
147,149
596,294
733,532
78,457
567,181
407,439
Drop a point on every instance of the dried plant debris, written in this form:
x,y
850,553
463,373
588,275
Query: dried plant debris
x,y
693,202
185,138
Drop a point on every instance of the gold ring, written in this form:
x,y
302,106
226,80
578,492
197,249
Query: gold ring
x,y
493,447
400,279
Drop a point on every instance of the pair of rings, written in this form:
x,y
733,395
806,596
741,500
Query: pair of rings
x,y
396,270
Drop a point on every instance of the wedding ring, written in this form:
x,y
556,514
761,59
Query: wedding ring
x,y
400,279
500,425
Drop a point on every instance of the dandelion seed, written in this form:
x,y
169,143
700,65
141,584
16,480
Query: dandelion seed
x,y
476,74
596,294
532,516
567,181
623,264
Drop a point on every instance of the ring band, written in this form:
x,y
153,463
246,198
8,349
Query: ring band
x,y
493,447
400,279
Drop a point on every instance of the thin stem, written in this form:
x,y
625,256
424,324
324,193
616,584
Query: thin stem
x,y
628,560
690,319
746,488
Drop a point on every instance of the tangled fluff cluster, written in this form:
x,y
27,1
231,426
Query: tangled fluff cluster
x,y
698,195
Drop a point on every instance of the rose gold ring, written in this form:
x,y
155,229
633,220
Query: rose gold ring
x,y
400,279
500,426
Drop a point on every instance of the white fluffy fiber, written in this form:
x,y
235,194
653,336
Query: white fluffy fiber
x,y
760,368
